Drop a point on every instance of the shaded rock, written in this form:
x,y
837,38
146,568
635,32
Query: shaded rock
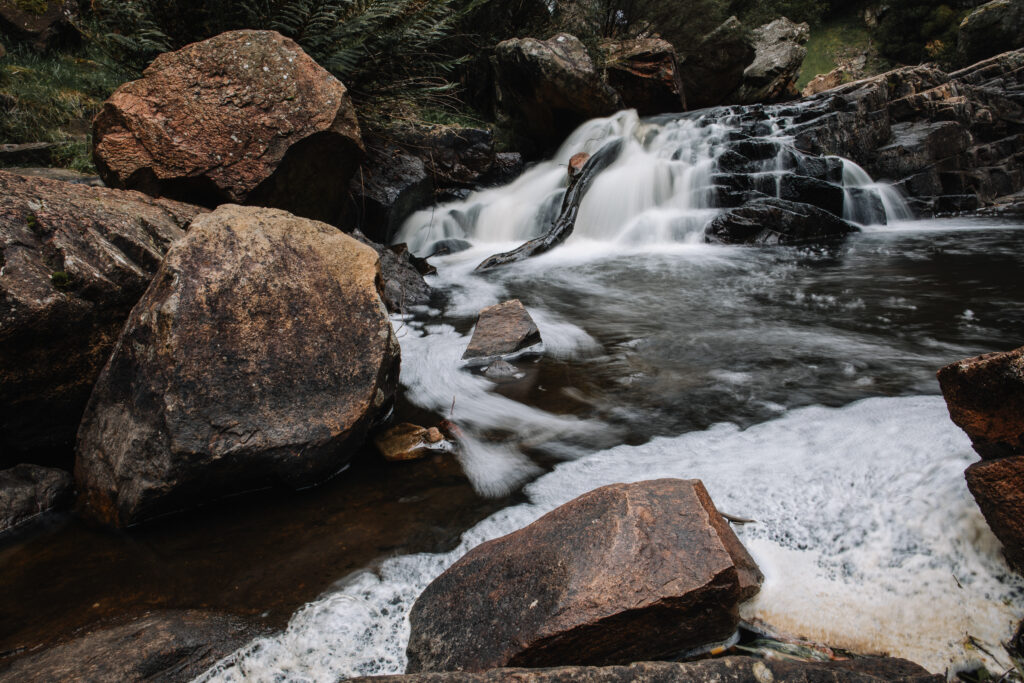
x,y
998,486
995,27
64,174
771,221
27,153
387,189
823,82
985,397
244,117
406,441
404,286
779,53
73,261
719,670
645,73
164,646
548,87
260,354
451,245
807,190
29,490
45,24
626,572
502,329
454,156
714,69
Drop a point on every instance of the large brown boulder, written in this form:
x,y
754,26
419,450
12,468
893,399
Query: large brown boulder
x,y
548,87
44,23
175,645
260,354
985,397
245,117
645,73
73,261
624,573
998,486
712,70
779,53
719,670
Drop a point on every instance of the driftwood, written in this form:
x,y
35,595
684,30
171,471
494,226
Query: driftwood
x,y
566,222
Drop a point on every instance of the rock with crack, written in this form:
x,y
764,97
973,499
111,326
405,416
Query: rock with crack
x,y
244,117
645,73
502,329
779,53
624,573
261,354
772,221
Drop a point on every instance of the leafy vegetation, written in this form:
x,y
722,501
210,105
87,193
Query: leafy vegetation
x,y
920,30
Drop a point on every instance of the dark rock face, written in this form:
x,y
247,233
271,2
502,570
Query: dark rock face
x,y
985,397
501,329
779,52
721,670
626,572
714,70
549,87
950,141
998,486
994,27
260,354
289,138
387,189
73,261
404,286
645,73
771,221
30,490
165,646
45,29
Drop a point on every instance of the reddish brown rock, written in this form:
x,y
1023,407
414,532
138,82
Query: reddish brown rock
x,y
73,261
245,117
998,486
45,23
645,73
985,397
261,354
407,441
823,82
718,670
576,164
624,573
502,329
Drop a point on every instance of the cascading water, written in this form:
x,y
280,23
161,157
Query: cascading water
x,y
672,176
797,384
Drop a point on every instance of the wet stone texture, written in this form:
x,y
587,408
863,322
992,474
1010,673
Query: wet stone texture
x,y
624,573
502,329
998,486
261,354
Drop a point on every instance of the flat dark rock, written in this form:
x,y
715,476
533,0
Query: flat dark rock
x,y
502,329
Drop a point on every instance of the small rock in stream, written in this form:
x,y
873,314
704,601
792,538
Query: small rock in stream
x,y
502,370
407,441
502,329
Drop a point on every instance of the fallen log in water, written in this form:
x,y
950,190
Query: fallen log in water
x,y
563,227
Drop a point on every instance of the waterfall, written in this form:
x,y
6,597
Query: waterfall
x,y
673,175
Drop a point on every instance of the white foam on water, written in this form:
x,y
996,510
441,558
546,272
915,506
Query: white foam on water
x,y
866,532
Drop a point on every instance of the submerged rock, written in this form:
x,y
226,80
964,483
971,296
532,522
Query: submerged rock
x,y
998,486
771,221
645,73
985,397
73,261
779,53
719,670
29,490
502,329
260,354
164,646
626,572
548,87
244,117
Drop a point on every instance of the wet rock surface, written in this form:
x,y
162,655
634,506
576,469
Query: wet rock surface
x,y
985,397
779,53
289,138
723,670
626,572
30,490
404,285
260,354
406,441
998,486
645,73
163,646
548,87
502,329
771,221
73,261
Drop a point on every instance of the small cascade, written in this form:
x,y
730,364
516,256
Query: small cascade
x,y
673,175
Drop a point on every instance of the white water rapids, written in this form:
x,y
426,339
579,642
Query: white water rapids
x,y
717,363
